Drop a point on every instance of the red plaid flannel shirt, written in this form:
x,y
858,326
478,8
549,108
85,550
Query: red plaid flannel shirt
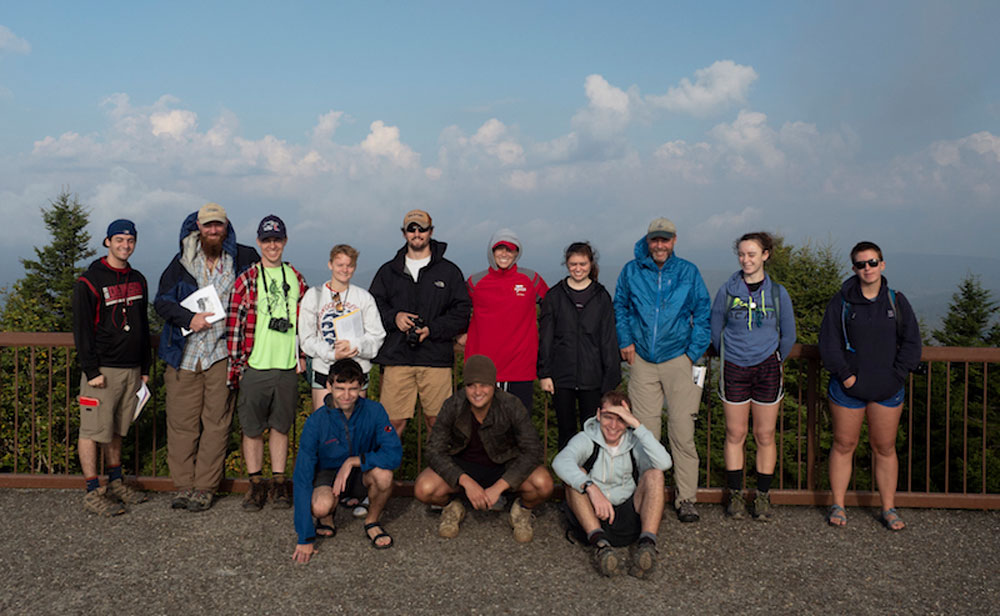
x,y
242,320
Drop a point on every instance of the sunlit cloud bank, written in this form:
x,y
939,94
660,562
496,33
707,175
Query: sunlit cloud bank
x,y
156,162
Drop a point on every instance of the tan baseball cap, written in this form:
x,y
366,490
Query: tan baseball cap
x,y
661,227
420,217
211,212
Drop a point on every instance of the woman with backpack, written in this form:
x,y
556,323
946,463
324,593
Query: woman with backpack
x,y
753,329
869,341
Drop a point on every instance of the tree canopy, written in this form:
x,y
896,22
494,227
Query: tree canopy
x,y
968,322
41,301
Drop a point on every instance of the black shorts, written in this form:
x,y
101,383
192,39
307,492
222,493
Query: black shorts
x,y
355,487
484,475
760,384
624,531
267,399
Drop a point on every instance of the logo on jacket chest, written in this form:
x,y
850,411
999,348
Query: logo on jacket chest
x,y
520,290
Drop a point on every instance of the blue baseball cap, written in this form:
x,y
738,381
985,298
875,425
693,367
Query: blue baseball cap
x,y
122,226
271,226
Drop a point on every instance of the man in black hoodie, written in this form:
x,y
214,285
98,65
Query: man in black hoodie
x,y
424,305
111,332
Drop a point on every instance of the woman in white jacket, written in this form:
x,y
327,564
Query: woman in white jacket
x,y
328,322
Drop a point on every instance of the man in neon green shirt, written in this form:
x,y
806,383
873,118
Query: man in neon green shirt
x,y
264,361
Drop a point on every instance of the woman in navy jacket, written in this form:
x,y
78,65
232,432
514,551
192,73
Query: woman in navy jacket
x,y
578,358
869,342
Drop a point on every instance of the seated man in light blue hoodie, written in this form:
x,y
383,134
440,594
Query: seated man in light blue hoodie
x,y
613,472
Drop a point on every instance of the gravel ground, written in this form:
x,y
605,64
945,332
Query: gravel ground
x,y
56,559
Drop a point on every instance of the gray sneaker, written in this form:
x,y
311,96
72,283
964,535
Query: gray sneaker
x,y
608,560
451,516
737,507
200,500
686,512
181,499
97,501
644,560
124,493
762,509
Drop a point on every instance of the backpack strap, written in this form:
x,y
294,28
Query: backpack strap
x,y
588,464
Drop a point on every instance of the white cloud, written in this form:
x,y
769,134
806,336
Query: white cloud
x,y
602,95
383,141
176,123
12,42
750,136
327,124
721,84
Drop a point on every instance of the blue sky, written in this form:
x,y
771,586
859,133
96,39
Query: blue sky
x,y
566,120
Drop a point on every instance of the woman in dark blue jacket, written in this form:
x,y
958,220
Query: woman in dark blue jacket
x,y
578,358
869,342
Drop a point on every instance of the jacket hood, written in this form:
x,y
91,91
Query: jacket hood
x,y
503,235
737,288
851,290
592,428
644,258
189,236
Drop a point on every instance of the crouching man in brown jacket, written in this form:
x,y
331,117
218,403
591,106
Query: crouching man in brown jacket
x,y
483,443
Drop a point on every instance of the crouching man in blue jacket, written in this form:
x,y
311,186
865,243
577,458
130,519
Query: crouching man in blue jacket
x,y
348,448
613,472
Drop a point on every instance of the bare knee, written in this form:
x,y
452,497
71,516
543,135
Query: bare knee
x,y
736,435
322,503
430,488
844,444
764,438
381,479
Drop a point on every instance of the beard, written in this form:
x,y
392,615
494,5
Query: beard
x,y
212,245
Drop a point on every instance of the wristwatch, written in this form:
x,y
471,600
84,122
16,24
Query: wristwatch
x,y
586,484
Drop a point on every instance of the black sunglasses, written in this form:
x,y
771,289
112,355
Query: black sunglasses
x,y
415,228
872,263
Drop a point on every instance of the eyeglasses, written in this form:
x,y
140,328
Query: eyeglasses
x,y
415,228
872,263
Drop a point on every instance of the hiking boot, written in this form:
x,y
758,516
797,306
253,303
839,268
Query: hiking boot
x,y
97,501
451,516
125,494
521,519
644,560
762,509
737,507
686,512
200,500
181,499
281,494
256,496
607,560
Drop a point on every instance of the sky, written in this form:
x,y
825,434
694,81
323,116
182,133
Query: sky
x,y
821,121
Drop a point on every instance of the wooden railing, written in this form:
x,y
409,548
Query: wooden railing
x,y
948,443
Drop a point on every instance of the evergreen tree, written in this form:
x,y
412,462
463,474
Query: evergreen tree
x,y
812,275
967,323
42,300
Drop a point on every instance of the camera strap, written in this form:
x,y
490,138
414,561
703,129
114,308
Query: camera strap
x,y
284,288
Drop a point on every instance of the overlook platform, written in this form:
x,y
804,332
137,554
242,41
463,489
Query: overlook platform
x,y
56,559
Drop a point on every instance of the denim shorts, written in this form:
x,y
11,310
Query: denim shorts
x,y
839,397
